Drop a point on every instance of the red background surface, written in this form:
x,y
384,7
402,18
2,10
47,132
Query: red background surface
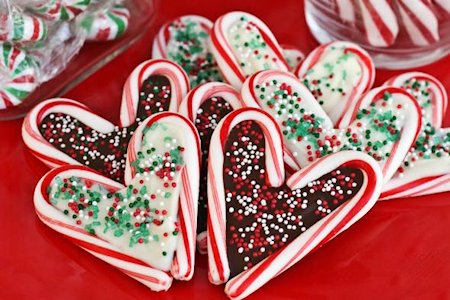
x,y
401,249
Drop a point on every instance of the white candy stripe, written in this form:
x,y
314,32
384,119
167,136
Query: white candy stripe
x,y
419,20
218,261
130,99
183,266
159,49
249,281
346,10
221,48
379,21
55,219
39,146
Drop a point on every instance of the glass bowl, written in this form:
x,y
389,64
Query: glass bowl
x,y
399,34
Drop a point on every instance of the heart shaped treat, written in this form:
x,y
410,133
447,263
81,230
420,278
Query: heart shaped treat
x,y
184,40
242,44
62,131
293,56
383,123
144,229
258,224
426,167
205,106
337,74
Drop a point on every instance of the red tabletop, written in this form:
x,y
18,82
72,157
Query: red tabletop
x,y
400,249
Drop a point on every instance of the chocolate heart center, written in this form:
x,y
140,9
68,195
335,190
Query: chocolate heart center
x,y
209,114
262,219
105,152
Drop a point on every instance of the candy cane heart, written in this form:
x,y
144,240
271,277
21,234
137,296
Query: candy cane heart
x,y
242,44
185,41
62,131
259,225
337,74
205,106
143,228
426,167
382,123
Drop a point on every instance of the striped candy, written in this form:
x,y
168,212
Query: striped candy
x,y
130,96
337,74
242,44
383,123
426,167
249,281
379,21
153,277
131,104
191,108
107,25
19,76
419,20
24,28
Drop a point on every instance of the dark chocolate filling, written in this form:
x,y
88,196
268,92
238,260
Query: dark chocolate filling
x,y
209,115
105,153
262,219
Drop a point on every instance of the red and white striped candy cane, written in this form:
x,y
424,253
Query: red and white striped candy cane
x,y
321,232
219,270
442,8
248,281
346,10
426,168
190,109
229,45
379,22
161,41
184,260
352,74
44,150
433,112
153,278
419,21
130,97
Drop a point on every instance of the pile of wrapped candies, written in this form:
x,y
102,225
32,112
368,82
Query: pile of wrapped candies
x,y
38,39
210,128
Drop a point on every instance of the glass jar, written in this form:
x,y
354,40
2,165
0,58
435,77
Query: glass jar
x,y
398,34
